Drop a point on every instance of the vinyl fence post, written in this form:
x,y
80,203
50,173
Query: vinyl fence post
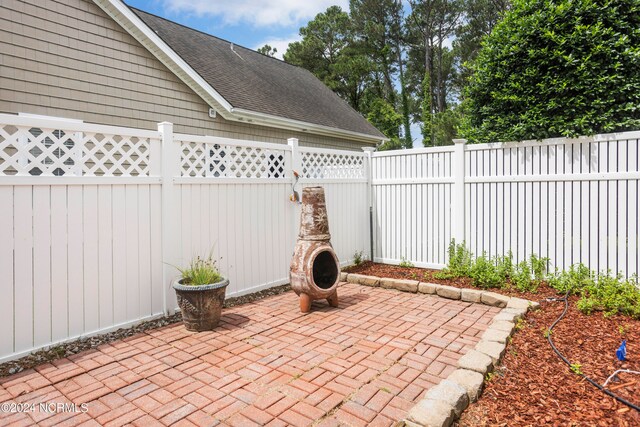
x,y
295,166
458,172
170,236
368,174
296,161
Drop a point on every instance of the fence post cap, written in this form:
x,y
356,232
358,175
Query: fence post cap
x,y
368,149
460,141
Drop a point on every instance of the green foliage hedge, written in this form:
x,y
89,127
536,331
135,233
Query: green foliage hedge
x,y
557,68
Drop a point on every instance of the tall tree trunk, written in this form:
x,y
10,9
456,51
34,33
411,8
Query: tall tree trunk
x,y
388,83
406,120
408,140
440,82
428,92
376,84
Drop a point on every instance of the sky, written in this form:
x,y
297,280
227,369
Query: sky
x,y
248,23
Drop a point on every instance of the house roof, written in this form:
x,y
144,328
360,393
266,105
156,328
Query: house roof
x,y
242,84
252,81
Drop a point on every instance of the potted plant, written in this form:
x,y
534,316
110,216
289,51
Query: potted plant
x,y
200,292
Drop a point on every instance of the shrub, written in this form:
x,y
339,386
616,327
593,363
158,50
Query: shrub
x,y
522,278
528,276
598,292
485,273
442,275
612,295
460,259
557,68
505,265
538,267
573,281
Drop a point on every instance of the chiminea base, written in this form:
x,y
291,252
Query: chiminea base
x,y
305,301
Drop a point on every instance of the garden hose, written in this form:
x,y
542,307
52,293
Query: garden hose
x,y
601,388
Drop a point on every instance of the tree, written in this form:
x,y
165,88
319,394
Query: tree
x,y
557,68
384,117
376,28
478,20
329,51
404,96
268,50
445,126
430,25
377,25
357,59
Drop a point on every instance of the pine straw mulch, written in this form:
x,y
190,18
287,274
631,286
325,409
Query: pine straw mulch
x,y
532,386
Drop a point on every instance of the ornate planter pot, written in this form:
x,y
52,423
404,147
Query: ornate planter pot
x,y
315,270
201,306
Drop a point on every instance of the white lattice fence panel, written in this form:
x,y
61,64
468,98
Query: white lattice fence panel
x,y
331,165
39,151
199,159
115,155
35,151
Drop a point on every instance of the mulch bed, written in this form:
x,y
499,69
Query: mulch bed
x,y
532,386
87,343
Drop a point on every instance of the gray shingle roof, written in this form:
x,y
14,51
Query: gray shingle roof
x,y
256,82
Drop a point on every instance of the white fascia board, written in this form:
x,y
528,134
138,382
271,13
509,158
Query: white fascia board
x,y
149,39
283,123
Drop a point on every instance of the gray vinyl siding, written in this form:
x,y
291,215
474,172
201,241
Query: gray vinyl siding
x,y
70,59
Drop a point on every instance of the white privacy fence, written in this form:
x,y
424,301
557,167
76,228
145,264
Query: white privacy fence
x,y
93,219
412,192
572,200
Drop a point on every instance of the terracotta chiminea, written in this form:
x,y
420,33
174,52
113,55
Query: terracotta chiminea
x,y
315,270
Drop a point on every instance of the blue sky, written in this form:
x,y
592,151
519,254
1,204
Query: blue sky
x,y
249,23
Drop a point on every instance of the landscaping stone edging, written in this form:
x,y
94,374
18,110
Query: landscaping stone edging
x,y
444,403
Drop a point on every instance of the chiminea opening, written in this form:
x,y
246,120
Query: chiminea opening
x,y
325,270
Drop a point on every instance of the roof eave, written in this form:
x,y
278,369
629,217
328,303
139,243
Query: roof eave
x,y
300,126
124,16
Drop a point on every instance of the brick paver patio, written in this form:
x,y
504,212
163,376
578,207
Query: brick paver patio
x,y
364,363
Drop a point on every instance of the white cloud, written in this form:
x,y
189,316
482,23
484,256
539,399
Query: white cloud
x,y
281,44
256,12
